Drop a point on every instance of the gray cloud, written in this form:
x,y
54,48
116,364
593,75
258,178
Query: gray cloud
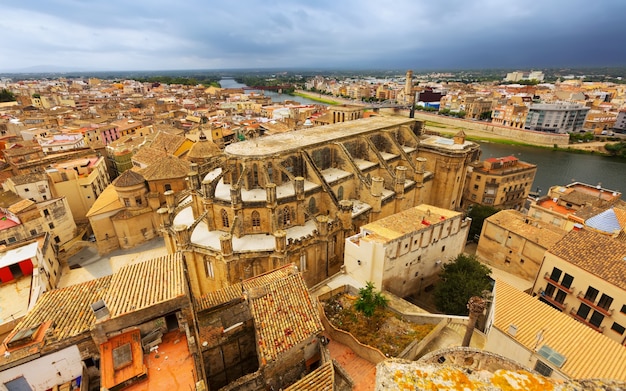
x,y
194,34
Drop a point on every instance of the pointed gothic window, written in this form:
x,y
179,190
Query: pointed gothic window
x,y
225,222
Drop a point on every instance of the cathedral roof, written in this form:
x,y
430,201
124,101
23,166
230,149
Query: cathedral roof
x,y
204,148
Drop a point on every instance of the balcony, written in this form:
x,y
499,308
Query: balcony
x,y
561,306
573,314
557,284
591,304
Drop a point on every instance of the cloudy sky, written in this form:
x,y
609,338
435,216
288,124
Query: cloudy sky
x,y
221,34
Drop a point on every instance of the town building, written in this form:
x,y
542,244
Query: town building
x,y
620,121
571,206
502,183
584,275
261,332
99,332
513,115
80,181
34,187
521,328
61,143
524,76
403,253
516,243
295,197
561,117
27,269
22,219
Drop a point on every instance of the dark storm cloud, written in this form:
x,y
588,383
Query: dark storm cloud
x,y
159,34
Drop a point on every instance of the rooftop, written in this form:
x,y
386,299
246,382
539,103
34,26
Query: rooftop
x,y
543,234
410,220
580,344
596,253
291,141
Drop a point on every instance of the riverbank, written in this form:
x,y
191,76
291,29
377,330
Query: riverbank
x,y
329,100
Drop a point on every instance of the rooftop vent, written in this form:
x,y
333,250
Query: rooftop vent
x,y
100,310
512,329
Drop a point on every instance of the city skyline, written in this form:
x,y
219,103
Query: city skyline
x,y
65,35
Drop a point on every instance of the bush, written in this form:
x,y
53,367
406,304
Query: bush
x,y
461,279
369,301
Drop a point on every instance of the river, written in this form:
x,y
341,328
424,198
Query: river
x,y
276,97
553,167
562,168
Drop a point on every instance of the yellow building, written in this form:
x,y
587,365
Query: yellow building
x,y
527,331
81,181
502,183
584,275
515,243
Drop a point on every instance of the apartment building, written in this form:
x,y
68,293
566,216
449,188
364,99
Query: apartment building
x,y
80,181
23,219
561,117
521,328
513,115
503,183
34,187
584,275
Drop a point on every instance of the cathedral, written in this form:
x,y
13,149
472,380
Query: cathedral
x,y
295,197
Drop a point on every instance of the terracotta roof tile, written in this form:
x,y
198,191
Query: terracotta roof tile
x,y
588,353
128,178
235,291
284,316
596,253
321,379
144,284
283,312
148,155
168,167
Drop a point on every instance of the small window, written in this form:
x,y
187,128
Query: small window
x,y
567,280
126,202
618,328
12,239
623,310
225,222
138,201
51,225
443,248
57,239
46,213
26,189
33,232
167,187
256,221
543,368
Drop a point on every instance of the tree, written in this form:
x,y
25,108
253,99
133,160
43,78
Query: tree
x,y
461,279
478,214
369,301
6,96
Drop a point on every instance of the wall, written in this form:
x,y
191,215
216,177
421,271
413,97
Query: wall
x,y
525,136
45,372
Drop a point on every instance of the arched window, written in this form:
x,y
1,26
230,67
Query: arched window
x,y
256,221
225,222
340,193
286,216
312,206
